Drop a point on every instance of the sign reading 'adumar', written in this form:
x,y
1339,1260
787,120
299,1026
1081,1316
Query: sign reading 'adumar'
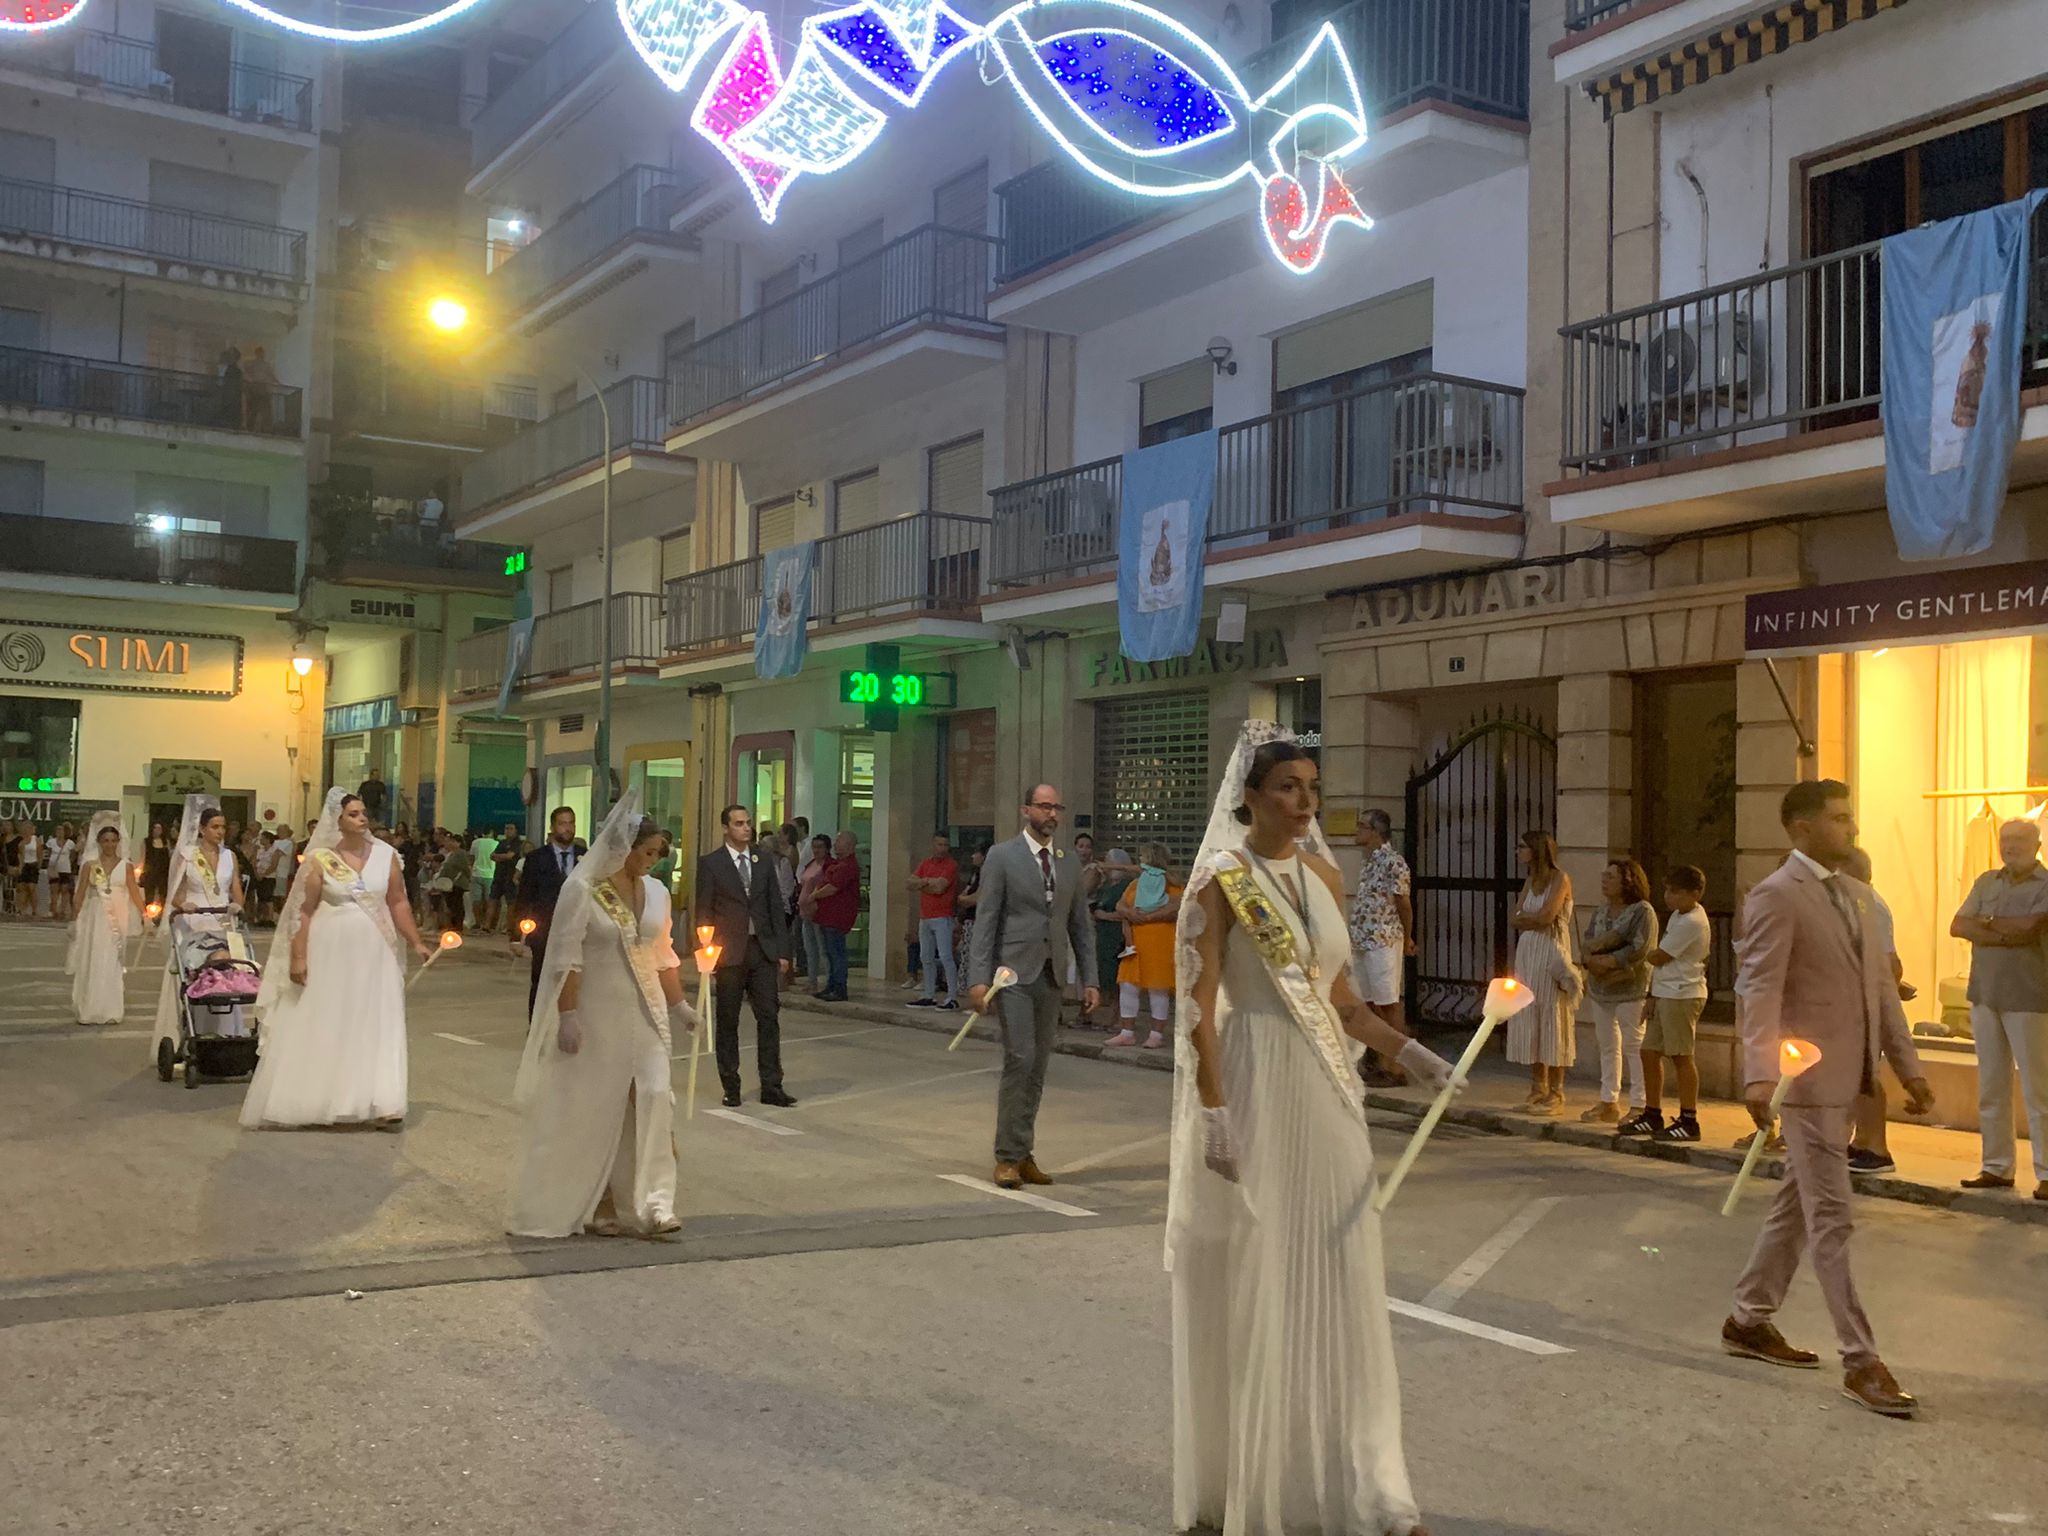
x,y
119,661
1936,605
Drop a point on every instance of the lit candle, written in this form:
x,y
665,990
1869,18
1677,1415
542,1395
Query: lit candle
x,y
450,939
526,927
1003,977
707,962
1795,1057
1505,997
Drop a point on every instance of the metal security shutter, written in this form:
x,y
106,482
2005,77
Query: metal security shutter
x,y
675,556
1388,327
1186,390
954,483
856,502
962,203
1152,773
774,525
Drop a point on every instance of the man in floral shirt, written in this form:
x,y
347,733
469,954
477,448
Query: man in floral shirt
x,y
1382,930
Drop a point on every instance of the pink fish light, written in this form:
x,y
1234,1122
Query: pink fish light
x,y
37,15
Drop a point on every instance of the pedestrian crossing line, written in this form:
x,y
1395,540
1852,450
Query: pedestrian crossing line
x,y
442,1034
1452,1290
1021,1196
95,1032
1486,1331
760,1125
1115,1154
916,1082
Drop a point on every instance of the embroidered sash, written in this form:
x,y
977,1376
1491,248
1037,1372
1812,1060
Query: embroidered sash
x,y
208,876
638,955
1271,935
102,887
334,867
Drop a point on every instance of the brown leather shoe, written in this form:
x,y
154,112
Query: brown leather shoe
x,y
1762,1341
1031,1173
1872,1386
1006,1176
1988,1181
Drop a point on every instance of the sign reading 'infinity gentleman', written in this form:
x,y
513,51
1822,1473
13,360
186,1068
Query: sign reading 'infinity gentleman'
x,y
1939,605
119,661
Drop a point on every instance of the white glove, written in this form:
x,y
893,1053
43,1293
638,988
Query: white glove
x,y
1219,1148
1421,1062
681,1016
570,1033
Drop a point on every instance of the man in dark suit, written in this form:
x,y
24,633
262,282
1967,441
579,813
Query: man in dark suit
x,y
739,896
540,886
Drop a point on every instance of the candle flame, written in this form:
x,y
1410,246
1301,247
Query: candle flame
x,y
527,925
1005,977
138,871
450,939
153,911
1796,1056
706,932
713,951
1506,996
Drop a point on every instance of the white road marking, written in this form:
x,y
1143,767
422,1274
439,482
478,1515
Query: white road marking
x,y
442,1034
1520,1341
1021,1196
1081,1165
86,1032
921,1082
760,1125
843,1034
1452,1290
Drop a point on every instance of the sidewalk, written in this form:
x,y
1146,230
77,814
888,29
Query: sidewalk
x,y
1932,1160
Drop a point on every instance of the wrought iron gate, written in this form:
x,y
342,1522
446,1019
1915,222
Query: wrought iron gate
x,y
1467,809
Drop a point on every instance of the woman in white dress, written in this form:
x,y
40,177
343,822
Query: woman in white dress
x,y
1544,1037
1287,1411
206,884
598,1152
333,999
109,907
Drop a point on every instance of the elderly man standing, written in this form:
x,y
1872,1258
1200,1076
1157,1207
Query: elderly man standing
x,y
2005,919
1382,930
1813,965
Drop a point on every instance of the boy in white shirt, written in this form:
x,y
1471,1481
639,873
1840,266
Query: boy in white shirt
x,y
1678,996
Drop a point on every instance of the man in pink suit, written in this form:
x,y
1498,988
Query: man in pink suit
x,y
1814,965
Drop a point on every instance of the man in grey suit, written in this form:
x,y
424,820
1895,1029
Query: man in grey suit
x,y
1031,918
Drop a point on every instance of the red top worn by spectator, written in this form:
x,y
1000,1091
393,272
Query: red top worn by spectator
x,y
841,910
940,905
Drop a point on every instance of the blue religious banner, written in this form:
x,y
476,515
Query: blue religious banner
x,y
781,637
1160,543
1955,310
518,647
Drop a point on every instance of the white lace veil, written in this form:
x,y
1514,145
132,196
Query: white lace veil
x,y
574,909
181,852
277,968
1198,1202
121,907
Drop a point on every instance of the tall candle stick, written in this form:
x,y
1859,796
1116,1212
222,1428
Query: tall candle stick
x,y
1505,997
1795,1057
1003,977
707,962
450,939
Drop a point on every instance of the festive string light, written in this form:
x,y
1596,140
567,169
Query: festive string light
x,y
356,34
813,123
741,88
1298,223
865,39
673,36
38,15
1131,92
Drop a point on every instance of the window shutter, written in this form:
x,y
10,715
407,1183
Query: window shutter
x,y
774,525
1187,389
676,556
1392,326
954,480
962,203
856,502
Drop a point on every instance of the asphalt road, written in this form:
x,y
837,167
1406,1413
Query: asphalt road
x,y
846,1340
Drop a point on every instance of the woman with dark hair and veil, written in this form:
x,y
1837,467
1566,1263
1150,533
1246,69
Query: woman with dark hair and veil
x,y
109,907
599,1152
333,995
204,886
1287,1411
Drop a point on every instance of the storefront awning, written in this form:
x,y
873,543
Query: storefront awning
x,y
1927,609
1742,42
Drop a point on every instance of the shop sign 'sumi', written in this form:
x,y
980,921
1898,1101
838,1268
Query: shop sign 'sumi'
x,y
1458,597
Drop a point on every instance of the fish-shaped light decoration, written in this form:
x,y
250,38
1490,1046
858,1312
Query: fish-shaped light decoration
x,y
1129,93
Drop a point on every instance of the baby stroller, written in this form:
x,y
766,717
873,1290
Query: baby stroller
x,y
218,980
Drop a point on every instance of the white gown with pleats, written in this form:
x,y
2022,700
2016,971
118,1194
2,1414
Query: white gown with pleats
x,y
334,1049
97,959
1287,1409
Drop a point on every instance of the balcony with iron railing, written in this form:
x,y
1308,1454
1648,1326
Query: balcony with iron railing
x,y
362,541
375,401
1468,55
567,648
552,462
630,214
1671,408
911,317
130,392
1400,479
132,67
1581,14
572,57
927,565
136,553
228,255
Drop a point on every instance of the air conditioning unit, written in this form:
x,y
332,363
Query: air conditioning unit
x,y
1705,364
1453,427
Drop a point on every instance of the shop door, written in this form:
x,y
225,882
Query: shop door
x,y
1152,774
857,815
1466,809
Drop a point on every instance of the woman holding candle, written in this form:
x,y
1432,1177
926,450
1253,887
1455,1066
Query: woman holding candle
x,y
333,996
598,1153
1287,1414
109,906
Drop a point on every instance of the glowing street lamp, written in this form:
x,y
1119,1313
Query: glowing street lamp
x,y
447,315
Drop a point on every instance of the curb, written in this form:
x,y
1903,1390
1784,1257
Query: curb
x,y
1494,1122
